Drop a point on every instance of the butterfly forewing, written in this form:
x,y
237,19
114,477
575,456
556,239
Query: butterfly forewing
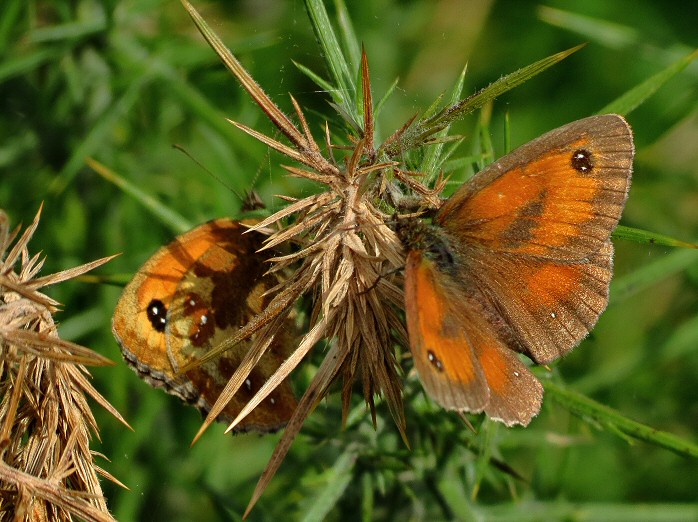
x,y
140,317
558,197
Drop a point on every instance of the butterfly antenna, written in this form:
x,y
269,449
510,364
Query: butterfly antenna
x,y
250,200
206,170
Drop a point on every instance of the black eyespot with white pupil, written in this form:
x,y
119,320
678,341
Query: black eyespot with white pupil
x,y
435,361
157,314
581,161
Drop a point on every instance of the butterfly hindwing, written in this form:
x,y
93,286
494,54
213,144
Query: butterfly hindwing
x,y
461,358
443,356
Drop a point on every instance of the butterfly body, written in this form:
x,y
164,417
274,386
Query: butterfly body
x,y
517,260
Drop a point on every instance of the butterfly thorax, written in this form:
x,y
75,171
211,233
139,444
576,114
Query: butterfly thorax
x,y
429,241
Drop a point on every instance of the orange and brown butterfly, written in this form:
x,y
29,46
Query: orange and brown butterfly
x,y
189,297
517,260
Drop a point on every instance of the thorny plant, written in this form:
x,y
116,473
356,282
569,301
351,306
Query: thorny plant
x,y
348,256
47,470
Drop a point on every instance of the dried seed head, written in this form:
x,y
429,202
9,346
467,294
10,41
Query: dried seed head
x,y
47,471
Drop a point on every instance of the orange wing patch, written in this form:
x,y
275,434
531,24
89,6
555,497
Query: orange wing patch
x,y
551,282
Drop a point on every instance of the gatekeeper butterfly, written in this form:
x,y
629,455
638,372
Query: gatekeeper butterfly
x,y
189,297
518,260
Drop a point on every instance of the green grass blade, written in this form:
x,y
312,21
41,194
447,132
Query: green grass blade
x,y
178,223
682,341
161,71
379,106
97,135
16,66
638,235
11,14
337,63
612,35
628,285
507,133
68,31
486,146
424,129
367,498
351,42
587,408
492,91
629,101
320,81
337,478
433,157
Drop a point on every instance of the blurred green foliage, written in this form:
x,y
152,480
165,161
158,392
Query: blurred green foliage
x,y
124,80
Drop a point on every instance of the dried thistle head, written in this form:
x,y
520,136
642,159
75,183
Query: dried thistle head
x,y
47,470
346,258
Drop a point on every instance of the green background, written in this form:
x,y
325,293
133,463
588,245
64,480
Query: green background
x,y
121,81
